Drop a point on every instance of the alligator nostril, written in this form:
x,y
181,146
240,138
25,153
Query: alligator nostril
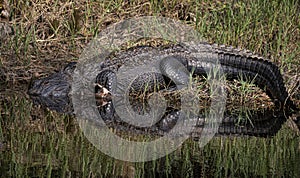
x,y
32,88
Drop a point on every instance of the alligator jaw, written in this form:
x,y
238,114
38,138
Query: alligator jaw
x,y
52,86
102,93
52,92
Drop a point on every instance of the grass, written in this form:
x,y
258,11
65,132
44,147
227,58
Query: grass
x,y
46,36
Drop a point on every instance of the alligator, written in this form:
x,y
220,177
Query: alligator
x,y
54,91
257,123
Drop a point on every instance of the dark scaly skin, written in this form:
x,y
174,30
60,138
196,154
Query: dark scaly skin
x,y
234,62
263,123
54,90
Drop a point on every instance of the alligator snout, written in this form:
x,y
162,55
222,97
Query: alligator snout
x,y
52,92
55,85
52,86
35,88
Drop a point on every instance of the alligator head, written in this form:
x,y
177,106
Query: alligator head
x,y
53,91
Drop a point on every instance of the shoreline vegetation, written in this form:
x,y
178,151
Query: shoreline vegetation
x,y
49,34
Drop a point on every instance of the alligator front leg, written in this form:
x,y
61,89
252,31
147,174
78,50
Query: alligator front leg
x,y
103,93
175,68
105,80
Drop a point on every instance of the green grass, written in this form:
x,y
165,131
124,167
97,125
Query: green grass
x,y
41,143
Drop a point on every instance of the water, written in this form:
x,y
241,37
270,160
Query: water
x,y
37,143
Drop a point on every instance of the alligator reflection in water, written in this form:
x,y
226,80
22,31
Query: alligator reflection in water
x,y
252,122
260,123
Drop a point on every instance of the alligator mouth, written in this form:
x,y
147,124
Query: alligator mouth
x,y
102,95
101,92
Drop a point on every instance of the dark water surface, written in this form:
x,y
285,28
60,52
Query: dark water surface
x,y
35,142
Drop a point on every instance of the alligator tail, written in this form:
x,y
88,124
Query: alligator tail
x,y
264,74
